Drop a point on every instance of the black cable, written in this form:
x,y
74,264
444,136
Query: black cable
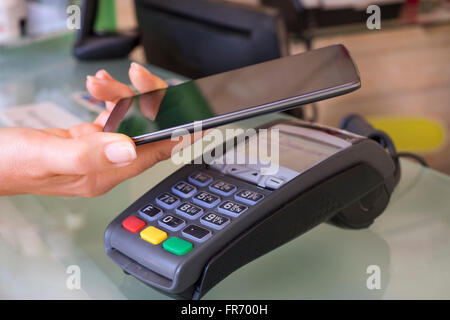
x,y
414,156
357,124
385,140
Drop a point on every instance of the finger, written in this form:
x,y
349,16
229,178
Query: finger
x,y
75,131
152,153
58,132
110,105
143,80
148,155
83,129
102,118
87,153
103,74
107,89
166,148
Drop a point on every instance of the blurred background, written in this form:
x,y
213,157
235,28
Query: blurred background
x,y
403,62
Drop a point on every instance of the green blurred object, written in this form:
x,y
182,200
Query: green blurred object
x,y
136,122
135,125
188,95
106,16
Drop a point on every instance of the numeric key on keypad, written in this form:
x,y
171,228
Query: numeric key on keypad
x,y
184,189
223,188
206,199
168,201
151,212
200,179
196,233
189,210
231,208
249,197
215,220
172,223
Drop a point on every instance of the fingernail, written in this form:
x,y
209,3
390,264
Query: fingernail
x,y
120,153
96,80
137,67
102,74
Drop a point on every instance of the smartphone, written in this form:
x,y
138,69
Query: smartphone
x,y
272,86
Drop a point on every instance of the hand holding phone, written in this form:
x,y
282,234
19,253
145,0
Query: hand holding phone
x,y
266,87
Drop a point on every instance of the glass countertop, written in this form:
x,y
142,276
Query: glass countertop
x,y
40,237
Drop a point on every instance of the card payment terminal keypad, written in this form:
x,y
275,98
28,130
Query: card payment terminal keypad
x,y
191,212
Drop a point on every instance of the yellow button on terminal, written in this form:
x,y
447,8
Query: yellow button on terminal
x,y
153,235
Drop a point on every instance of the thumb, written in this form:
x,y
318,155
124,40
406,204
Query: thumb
x,y
94,152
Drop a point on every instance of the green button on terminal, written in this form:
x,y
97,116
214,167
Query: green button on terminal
x,y
177,246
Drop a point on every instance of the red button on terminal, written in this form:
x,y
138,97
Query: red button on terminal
x,y
133,224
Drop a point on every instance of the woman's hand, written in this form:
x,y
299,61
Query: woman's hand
x,y
83,160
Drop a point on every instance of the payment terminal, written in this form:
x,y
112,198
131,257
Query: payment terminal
x,y
203,222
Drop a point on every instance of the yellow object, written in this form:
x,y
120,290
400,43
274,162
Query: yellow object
x,y
412,134
153,235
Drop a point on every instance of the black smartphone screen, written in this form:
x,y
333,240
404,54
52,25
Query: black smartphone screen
x,y
238,94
